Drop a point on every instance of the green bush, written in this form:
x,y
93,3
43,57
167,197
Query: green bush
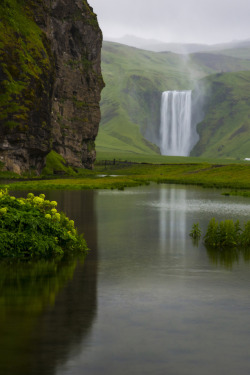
x,y
32,227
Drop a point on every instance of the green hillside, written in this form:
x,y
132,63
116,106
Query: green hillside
x,y
219,62
135,80
225,130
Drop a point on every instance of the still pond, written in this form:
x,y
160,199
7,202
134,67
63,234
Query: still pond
x,y
145,300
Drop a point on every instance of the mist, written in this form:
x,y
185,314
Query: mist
x,y
182,21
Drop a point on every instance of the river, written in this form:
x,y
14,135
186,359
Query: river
x,y
146,299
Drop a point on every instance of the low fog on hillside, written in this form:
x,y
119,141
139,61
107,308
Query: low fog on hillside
x,y
181,21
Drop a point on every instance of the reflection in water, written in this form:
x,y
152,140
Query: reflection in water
x,y
223,257
47,308
26,289
172,221
178,212
227,257
63,328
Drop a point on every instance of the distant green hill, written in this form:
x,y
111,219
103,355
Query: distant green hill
x,y
135,80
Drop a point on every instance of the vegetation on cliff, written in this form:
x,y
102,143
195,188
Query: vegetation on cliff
x,y
25,64
32,227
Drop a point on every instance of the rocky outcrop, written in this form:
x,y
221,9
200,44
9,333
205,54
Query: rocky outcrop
x,y
51,82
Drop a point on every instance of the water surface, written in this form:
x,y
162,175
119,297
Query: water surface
x,y
146,300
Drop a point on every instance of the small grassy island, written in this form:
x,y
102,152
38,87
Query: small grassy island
x,y
32,227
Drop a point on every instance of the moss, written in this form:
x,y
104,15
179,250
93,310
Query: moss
x,y
56,164
91,146
79,103
73,64
25,62
92,19
86,63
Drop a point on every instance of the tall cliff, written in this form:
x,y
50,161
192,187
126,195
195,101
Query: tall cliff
x,y
50,82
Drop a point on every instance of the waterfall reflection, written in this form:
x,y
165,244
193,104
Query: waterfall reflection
x,y
172,226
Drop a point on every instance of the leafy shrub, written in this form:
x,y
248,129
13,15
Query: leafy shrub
x,y
32,227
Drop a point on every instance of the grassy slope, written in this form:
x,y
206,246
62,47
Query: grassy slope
x,y
218,62
225,129
134,81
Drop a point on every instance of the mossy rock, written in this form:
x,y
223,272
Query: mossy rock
x,y
56,164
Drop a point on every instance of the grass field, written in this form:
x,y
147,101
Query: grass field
x,y
127,174
160,159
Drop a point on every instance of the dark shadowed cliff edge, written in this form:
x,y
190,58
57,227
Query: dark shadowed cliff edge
x,y
50,82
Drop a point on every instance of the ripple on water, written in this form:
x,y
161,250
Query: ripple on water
x,y
207,206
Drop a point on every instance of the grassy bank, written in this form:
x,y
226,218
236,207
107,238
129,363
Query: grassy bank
x,y
119,176
161,159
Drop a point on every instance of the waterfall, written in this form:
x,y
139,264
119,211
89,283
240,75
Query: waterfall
x,y
175,128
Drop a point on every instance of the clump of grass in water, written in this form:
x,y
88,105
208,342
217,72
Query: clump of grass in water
x,y
223,234
195,232
32,227
226,234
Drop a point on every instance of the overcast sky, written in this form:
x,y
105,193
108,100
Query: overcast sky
x,y
199,21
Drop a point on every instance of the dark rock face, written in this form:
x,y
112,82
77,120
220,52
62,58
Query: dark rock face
x,y
56,75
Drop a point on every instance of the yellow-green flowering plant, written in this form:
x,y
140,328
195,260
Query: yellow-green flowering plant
x,y
32,227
